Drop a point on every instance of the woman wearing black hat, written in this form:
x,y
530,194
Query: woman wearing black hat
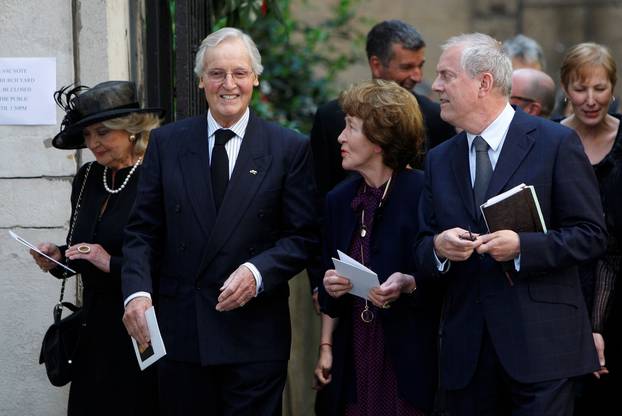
x,y
108,120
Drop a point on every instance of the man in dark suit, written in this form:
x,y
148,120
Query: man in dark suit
x,y
515,329
219,249
395,52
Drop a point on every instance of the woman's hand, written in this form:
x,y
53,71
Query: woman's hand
x,y
599,343
391,289
322,373
336,285
51,250
93,253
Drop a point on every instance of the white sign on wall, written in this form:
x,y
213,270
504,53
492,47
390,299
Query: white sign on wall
x,y
27,88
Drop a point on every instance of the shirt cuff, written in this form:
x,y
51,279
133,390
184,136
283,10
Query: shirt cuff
x,y
517,263
442,266
256,275
136,295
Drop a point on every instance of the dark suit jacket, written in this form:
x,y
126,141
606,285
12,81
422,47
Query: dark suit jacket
x,y
411,324
539,326
178,246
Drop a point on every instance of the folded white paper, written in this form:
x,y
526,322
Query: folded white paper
x,y
362,278
156,349
33,247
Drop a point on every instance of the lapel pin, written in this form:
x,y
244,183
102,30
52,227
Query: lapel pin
x,y
252,172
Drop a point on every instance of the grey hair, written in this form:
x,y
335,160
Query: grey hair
x,y
526,48
482,53
214,39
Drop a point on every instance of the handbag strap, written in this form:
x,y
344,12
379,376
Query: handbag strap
x,y
71,228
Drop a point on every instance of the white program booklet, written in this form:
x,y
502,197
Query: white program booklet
x,y
34,248
156,349
362,278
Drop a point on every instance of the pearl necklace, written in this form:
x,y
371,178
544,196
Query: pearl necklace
x,y
127,178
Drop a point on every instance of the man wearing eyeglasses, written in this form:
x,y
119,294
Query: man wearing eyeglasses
x,y
533,91
226,215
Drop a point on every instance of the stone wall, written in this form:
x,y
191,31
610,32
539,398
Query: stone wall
x,y
556,24
90,45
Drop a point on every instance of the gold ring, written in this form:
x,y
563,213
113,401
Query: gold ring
x,y
386,305
84,249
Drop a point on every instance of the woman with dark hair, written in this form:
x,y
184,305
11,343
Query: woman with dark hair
x,y
588,77
108,120
377,355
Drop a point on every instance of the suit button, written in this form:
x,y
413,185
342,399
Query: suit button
x,y
182,246
197,286
251,251
177,208
261,214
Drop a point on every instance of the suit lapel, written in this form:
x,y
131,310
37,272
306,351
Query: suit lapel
x,y
462,173
194,164
517,145
249,172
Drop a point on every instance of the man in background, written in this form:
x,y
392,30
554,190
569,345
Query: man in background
x,y
395,52
533,91
524,52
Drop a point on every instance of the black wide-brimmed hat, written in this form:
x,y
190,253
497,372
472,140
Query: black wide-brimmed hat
x,y
85,106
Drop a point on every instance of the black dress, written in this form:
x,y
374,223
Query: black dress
x,y
602,295
107,379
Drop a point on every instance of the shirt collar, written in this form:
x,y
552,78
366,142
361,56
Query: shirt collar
x,y
239,127
496,131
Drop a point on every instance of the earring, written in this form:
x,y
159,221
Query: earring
x,y
132,138
565,100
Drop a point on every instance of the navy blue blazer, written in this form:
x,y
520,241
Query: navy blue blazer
x,y
411,324
539,326
178,247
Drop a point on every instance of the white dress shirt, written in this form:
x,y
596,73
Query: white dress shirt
x,y
494,135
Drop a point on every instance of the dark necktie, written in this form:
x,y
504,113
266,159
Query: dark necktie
x,y
483,171
220,165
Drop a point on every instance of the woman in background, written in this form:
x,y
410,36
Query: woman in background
x,y
588,78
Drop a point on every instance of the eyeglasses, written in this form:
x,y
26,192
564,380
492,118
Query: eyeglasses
x,y
525,99
219,75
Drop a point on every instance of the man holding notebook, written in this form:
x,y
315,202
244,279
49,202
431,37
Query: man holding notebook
x,y
515,330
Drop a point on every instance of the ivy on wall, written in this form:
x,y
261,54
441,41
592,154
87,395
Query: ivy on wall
x,y
301,61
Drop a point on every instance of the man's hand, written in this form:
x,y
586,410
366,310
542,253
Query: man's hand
x,y
335,284
455,244
599,343
237,290
391,289
135,321
503,245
